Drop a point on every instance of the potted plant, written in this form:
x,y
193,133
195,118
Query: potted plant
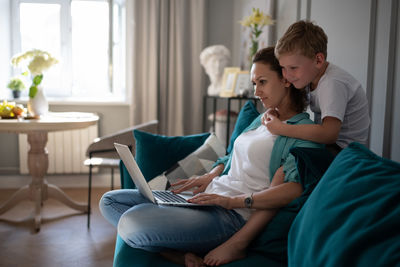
x,y
16,86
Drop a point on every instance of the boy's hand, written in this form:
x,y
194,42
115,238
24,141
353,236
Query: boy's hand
x,y
267,115
272,112
272,122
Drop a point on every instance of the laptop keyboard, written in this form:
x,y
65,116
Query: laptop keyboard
x,y
168,196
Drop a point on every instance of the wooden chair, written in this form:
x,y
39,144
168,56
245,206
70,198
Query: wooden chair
x,y
102,153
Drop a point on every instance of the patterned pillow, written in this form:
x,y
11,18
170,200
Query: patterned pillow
x,y
197,163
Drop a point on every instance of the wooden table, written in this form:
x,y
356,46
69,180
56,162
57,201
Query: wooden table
x,y
39,190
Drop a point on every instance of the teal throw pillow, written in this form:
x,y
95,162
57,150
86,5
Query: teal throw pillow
x,y
246,116
157,153
352,218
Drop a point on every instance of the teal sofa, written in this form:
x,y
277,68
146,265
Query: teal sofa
x,y
348,214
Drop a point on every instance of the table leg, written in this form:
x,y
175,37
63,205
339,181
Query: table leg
x,y
21,194
57,193
39,190
38,163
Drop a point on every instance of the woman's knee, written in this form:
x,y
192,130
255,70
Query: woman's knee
x,y
114,203
105,201
139,226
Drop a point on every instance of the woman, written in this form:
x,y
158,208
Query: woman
x,y
238,184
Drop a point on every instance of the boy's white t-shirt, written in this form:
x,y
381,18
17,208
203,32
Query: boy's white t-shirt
x,y
340,95
249,170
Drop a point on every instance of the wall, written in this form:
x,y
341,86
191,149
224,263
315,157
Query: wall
x,y
223,27
364,40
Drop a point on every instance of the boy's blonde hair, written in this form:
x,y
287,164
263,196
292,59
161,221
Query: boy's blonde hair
x,y
303,37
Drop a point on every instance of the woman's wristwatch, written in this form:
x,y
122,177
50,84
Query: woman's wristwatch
x,y
248,201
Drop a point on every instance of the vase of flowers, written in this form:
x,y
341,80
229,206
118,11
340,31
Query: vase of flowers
x,y
37,61
256,22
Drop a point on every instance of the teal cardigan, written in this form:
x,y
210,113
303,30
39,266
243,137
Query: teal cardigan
x,y
280,152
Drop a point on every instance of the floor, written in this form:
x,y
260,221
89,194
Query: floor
x,y
63,240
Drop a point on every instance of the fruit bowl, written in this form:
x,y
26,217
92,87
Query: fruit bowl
x,y
10,110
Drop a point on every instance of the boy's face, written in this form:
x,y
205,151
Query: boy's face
x,y
300,70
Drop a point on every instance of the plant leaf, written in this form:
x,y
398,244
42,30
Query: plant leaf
x,y
37,79
33,91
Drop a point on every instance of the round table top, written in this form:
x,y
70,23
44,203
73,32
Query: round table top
x,y
52,121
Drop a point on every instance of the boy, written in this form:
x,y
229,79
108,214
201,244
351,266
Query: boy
x,y
336,98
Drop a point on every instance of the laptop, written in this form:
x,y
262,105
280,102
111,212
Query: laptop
x,y
160,197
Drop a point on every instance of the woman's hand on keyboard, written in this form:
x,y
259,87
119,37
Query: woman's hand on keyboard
x,y
198,183
211,199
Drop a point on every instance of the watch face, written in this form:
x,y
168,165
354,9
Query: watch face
x,y
248,202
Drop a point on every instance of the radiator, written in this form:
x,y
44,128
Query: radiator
x,y
66,150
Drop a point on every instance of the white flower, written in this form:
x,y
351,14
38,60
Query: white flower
x,y
40,60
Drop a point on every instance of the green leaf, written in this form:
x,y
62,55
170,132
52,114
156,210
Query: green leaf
x,y
37,79
33,91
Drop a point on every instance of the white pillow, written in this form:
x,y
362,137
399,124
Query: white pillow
x,y
197,163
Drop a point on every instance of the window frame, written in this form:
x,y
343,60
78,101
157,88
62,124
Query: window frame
x,y
118,95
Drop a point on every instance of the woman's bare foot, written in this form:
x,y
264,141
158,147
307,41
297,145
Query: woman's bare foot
x,y
225,253
192,260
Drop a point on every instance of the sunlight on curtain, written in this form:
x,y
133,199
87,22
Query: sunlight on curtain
x,y
165,77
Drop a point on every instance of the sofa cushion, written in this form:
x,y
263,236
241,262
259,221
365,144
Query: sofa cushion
x,y
246,116
157,153
352,217
127,256
132,257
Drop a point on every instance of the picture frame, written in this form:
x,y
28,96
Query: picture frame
x,y
228,81
242,83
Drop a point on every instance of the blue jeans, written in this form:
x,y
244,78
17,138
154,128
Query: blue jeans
x,y
142,224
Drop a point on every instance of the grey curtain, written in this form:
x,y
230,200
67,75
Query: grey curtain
x,y
165,78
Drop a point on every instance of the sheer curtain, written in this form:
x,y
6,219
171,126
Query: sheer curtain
x,y
165,78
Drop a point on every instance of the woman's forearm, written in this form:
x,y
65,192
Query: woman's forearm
x,y
217,170
271,198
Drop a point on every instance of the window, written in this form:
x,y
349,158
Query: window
x,y
88,38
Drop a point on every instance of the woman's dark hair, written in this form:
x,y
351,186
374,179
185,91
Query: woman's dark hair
x,y
267,57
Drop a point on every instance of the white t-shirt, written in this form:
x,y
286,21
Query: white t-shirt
x,y
340,95
249,170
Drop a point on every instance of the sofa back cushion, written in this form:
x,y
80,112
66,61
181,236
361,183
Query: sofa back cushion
x,y
157,153
352,218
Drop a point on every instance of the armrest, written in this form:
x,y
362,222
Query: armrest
x,y
104,146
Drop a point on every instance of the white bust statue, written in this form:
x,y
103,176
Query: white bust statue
x,y
214,59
